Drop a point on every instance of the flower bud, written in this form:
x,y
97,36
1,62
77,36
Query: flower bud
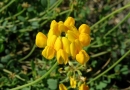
x,y
58,44
62,56
69,21
66,45
75,47
84,39
41,40
82,57
84,29
51,40
48,52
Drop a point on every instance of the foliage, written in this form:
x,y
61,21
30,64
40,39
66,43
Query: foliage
x,y
22,63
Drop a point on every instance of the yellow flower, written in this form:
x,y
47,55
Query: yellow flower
x,y
75,47
69,22
72,82
72,34
48,52
51,40
41,40
66,45
62,87
62,57
58,44
62,27
84,39
53,29
84,29
54,24
82,57
84,87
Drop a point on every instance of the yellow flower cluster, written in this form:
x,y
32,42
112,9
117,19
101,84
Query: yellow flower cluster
x,y
82,87
64,40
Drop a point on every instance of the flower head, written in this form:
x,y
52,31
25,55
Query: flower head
x,y
64,40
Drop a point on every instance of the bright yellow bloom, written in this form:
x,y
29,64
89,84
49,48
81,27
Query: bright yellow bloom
x,y
62,87
82,57
85,39
72,82
54,24
72,35
65,40
51,40
75,47
58,44
84,87
69,22
53,29
62,27
84,29
41,40
48,52
62,57
66,45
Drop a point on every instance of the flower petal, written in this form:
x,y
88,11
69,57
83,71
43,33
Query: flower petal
x,y
84,29
62,57
69,21
41,40
72,82
84,87
66,45
62,87
85,39
82,57
48,52
58,44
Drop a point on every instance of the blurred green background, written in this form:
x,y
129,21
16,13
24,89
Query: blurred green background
x,y
20,20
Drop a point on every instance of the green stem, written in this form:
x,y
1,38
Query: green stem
x,y
125,18
57,3
17,14
7,5
118,61
126,6
28,54
99,54
37,80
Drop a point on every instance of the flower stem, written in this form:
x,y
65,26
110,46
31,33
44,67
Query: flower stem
x,y
119,60
125,18
7,5
28,54
126,6
37,80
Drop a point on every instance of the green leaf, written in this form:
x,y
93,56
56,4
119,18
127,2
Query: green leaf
x,y
30,9
21,18
117,68
1,47
1,66
94,63
44,3
124,70
52,83
101,85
